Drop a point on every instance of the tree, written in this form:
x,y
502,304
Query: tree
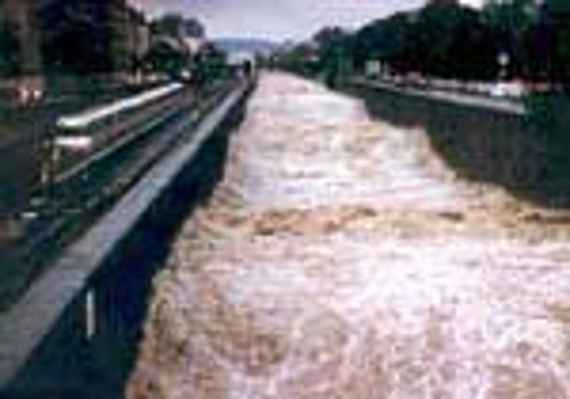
x,y
556,14
334,48
397,37
209,64
194,28
450,40
471,51
170,24
166,56
76,36
513,25
453,42
301,58
171,52
442,39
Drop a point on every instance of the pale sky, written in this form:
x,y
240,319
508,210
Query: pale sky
x,y
280,19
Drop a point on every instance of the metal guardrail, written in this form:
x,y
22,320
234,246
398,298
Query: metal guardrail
x,y
489,104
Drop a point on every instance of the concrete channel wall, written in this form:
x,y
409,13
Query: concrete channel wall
x,y
75,333
503,144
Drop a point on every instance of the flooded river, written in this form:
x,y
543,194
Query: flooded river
x,y
339,258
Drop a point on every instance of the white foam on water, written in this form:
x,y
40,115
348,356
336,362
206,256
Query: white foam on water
x,y
305,306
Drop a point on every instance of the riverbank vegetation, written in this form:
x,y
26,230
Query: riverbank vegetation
x,y
517,39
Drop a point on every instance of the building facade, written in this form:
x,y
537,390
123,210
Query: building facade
x,y
20,37
42,39
92,36
20,54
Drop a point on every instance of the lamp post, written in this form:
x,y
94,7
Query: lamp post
x,y
503,59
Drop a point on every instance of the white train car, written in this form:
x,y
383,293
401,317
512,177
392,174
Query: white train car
x,y
80,139
75,131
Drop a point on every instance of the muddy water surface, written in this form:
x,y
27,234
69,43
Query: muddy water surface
x,y
340,259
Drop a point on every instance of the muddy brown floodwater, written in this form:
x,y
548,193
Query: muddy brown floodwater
x,y
339,258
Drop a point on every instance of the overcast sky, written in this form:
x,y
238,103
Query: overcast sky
x,y
279,19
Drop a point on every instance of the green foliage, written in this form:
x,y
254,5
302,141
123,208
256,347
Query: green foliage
x,y
176,26
171,24
194,28
301,59
166,58
391,40
446,40
450,40
333,49
210,64
557,15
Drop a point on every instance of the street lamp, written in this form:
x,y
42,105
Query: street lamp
x,y
499,89
503,59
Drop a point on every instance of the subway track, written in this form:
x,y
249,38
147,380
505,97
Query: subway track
x,y
83,189
21,132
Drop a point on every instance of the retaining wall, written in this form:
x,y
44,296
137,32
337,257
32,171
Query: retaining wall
x,y
529,154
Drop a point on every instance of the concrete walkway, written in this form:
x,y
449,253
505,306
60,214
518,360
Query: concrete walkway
x,y
340,258
490,104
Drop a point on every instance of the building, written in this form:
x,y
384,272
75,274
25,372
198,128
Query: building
x,y
92,36
19,24
130,40
139,34
64,41
20,55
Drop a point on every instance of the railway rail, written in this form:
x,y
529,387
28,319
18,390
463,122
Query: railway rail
x,y
78,185
23,130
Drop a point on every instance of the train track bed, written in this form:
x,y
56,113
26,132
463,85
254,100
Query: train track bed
x,y
84,185
23,129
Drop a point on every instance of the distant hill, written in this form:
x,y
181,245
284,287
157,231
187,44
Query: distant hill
x,y
232,45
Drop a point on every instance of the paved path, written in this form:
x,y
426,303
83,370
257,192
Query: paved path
x,y
341,259
491,104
